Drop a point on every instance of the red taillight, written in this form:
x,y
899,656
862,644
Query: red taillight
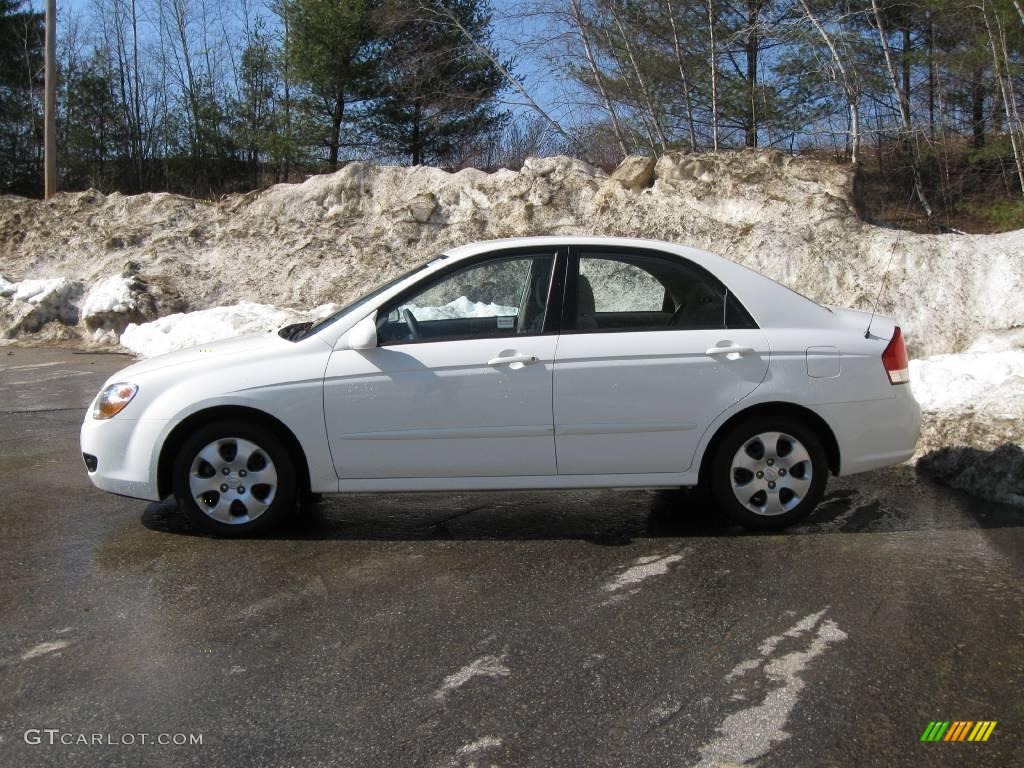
x,y
895,359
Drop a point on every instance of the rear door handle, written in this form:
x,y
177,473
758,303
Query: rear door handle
x,y
730,350
512,359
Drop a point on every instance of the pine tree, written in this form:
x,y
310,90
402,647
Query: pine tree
x,y
21,78
438,92
331,51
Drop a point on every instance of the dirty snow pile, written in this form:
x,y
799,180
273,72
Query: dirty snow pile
x,y
974,398
973,428
334,236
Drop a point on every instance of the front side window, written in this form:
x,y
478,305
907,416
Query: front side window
x,y
637,292
504,296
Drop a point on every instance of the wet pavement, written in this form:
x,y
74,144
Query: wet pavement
x,y
544,629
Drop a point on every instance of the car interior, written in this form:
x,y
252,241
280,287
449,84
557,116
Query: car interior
x,y
614,292
665,295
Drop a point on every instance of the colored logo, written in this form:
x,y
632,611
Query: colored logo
x,y
959,730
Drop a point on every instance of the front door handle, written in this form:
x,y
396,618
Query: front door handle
x,y
732,349
509,359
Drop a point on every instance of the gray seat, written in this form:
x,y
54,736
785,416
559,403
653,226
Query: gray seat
x,y
586,313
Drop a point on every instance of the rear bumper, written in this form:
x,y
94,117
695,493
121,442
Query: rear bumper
x,y
126,458
875,433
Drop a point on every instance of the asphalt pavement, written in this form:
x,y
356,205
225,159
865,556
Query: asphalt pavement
x,y
625,628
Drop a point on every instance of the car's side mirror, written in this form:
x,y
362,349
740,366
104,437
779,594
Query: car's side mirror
x,y
364,333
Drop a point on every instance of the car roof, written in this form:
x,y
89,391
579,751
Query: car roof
x,y
771,303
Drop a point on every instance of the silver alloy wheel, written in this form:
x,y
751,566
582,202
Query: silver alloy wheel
x,y
771,473
233,480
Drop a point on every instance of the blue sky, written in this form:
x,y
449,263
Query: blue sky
x,y
513,26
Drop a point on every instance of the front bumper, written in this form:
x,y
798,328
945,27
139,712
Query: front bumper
x,y
127,453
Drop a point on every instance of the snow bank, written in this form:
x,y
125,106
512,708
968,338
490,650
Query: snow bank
x,y
461,307
334,236
28,305
112,295
184,330
972,429
7,288
951,382
40,291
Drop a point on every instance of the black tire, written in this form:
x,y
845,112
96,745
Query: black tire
x,y
282,497
723,475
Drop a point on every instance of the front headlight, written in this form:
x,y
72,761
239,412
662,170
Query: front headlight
x,y
113,399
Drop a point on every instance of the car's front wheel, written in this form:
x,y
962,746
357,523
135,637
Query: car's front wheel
x,y
235,479
769,472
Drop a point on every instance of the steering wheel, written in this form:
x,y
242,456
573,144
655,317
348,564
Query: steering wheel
x,y
414,326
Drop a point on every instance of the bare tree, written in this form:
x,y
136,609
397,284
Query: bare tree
x,y
645,94
683,79
904,108
714,75
514,82
1009,101
851,89
584,33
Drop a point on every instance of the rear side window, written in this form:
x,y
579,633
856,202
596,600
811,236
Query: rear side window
x,y
636,292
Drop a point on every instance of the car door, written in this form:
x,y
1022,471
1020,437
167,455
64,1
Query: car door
x,y
460,384
653,348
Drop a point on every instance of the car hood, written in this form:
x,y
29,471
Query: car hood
x,y
222,353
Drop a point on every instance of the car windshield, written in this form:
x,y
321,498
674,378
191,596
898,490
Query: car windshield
x,y
321,324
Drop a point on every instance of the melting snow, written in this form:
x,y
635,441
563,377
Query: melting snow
x,y
749,733
183,330
643,568
487,742
485,666
948,382
44,648
110,295
37,291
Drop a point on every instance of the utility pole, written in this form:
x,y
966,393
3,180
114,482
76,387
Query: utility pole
x,y
50,101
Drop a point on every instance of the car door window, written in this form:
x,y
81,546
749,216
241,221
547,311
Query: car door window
x,y
637,292
504,296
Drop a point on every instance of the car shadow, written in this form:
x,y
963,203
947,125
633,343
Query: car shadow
x,y
892,500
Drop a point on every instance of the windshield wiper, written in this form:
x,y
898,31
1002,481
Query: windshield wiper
x,y
295,330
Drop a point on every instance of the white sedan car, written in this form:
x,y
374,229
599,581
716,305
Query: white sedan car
x,y
536,363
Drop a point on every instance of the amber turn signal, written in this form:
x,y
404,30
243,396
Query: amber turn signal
x,y
113,399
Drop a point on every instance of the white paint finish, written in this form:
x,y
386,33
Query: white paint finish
x,y
823,362
266,373
643,568
44,648
751,732
485,666
623,409
454,414
640,384
625,428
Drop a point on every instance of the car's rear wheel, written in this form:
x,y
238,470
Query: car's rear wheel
x,y
235,479
769,472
